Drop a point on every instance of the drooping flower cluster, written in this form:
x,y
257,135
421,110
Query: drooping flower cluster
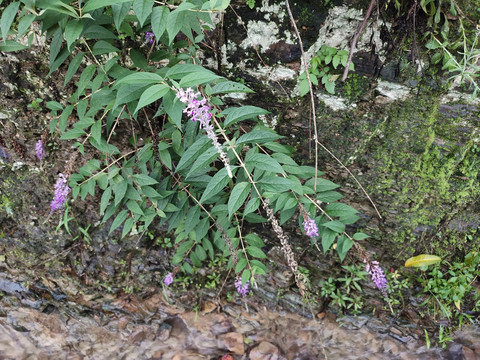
x,y
39,150
61,192
310,227
242,289
198,110
378,276
168,279
149,36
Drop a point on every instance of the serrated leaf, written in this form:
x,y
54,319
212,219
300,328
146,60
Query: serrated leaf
x,y
127,226
328,238
105,199
119,219
336,226
236,114
422,260
258,136
237,197
194,79
73,29
343,245
120,189
240,265
359,236
252,205
276,184
120,10
134,207
254,240
144,179
227,87
95,4
216,184
192,153
73,67
8,15
102,47
10,46
153,93
159,20
264,162
256,252
203,161
142,8
143,78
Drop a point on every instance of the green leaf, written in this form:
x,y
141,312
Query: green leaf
x,y
242,262
62,122
142,78
258,267
179,71
175,20
127,226
122,215
144,179
97,32
325,185
203,161
360,236
73,29
153,93
256,252
102,47
159,20
251,206
10,46
227,87
142,8
258,136
96,130
241,113
95,4
24,24
341,210
200,252
329,196
120,189
422,260
343,245
120,10
193,79
245,276
105,199
133,206
275,184
238,196
264,162
328,237
72,134
192,219
216,184
73,67
7,18
192,153
254,240
174,108
336,226
330,86
85,78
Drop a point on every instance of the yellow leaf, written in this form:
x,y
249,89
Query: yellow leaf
x,y
422,260
457,304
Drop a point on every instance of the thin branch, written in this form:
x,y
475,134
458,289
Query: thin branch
x,y
355,39
312,98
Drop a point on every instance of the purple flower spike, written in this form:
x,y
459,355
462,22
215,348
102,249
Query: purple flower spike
x,y
39,150
168,279
242,289
378,276
198,110
61,192
310,227
149,36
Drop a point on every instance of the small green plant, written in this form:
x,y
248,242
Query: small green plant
x,y
444,336
250,3
462,65
320,69
35,104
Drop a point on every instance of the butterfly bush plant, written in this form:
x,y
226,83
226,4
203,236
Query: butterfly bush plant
x,y
168,151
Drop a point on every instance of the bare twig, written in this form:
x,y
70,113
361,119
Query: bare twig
x,y
355,39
